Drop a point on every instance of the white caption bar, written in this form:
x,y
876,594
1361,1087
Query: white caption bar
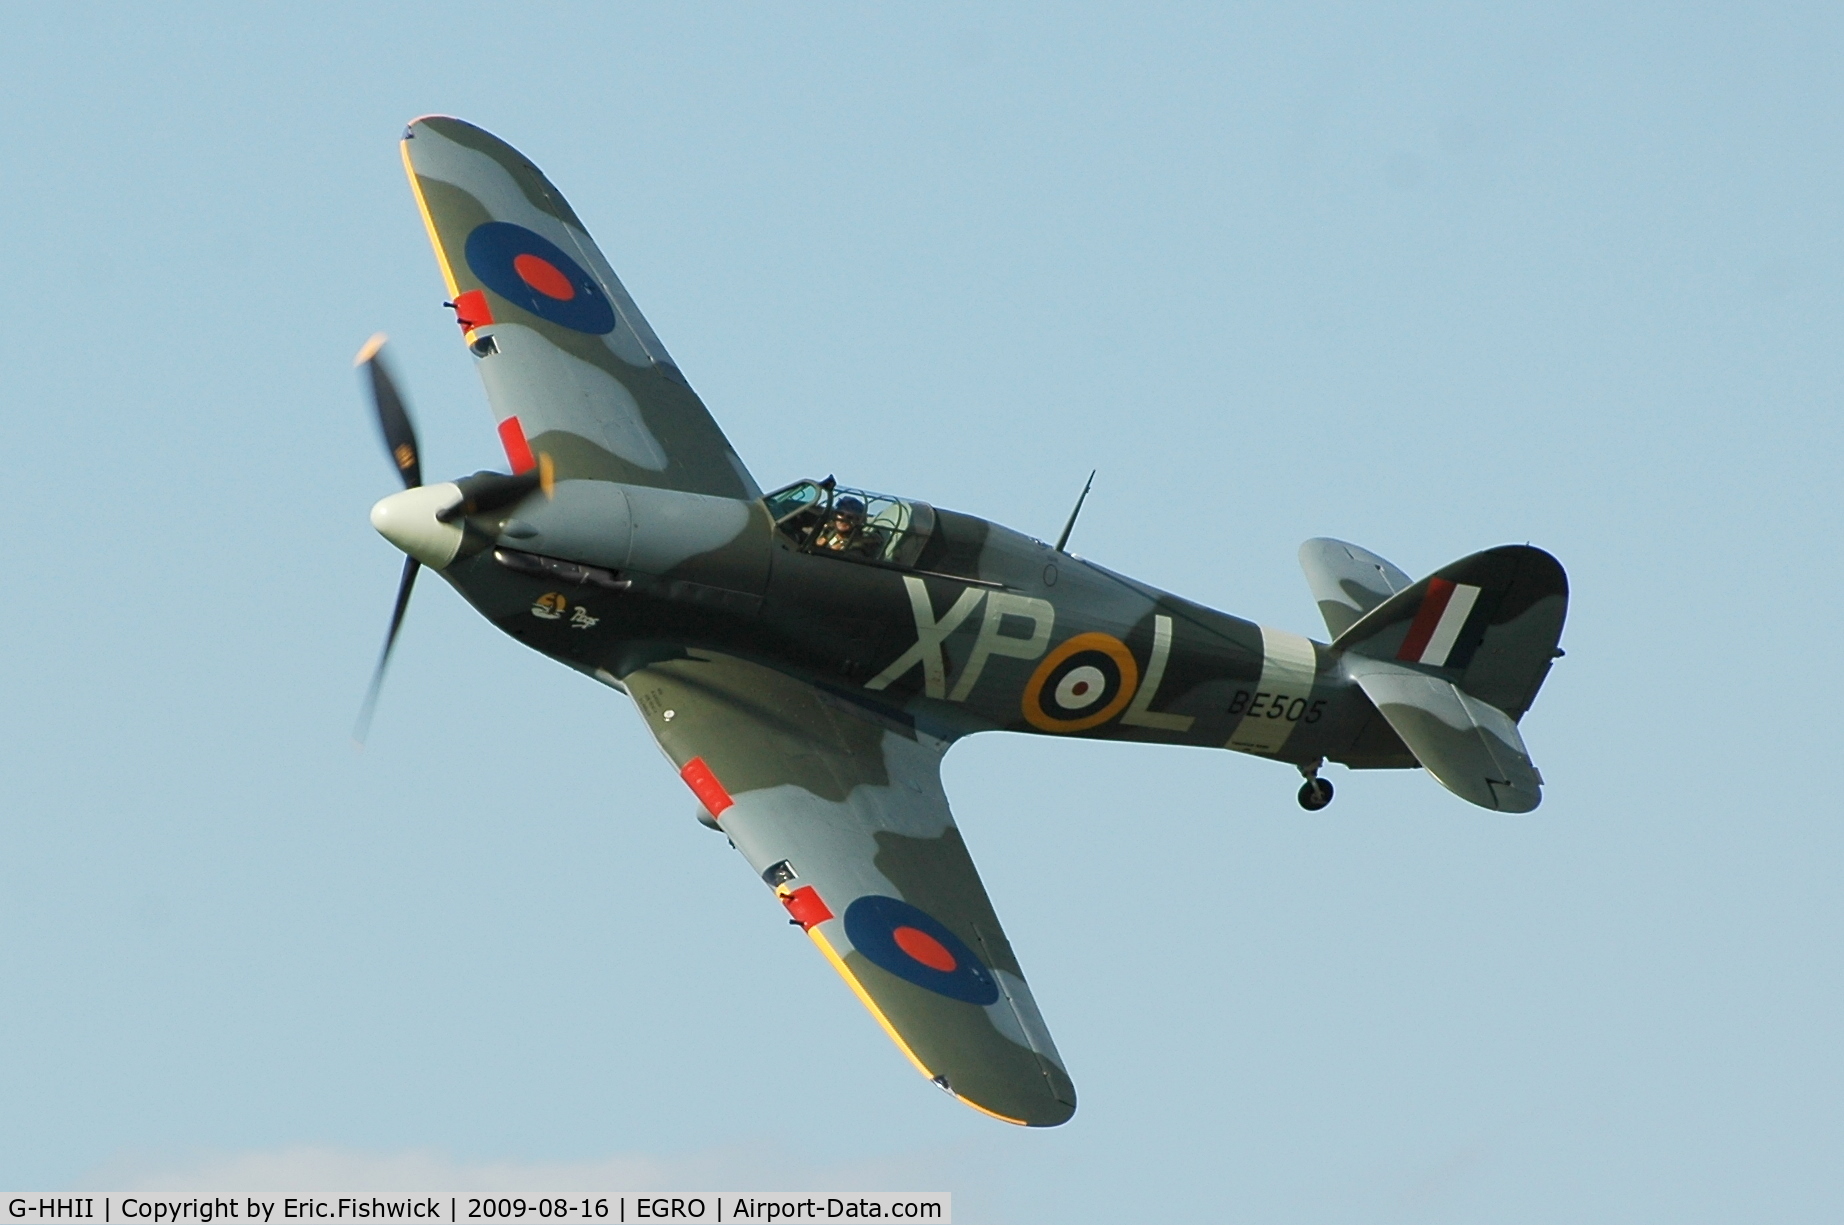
x,y
612,1208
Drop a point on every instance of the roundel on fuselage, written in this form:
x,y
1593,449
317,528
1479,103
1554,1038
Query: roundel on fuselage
x,y
534,273
916,947
1082,684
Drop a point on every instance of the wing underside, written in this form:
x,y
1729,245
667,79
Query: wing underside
x,y
574,373
843,816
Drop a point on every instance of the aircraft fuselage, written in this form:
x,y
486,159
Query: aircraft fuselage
x,y
988,630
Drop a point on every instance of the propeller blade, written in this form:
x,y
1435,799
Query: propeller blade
x,y
362,728
393,418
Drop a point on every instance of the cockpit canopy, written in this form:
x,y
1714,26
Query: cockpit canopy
x,y
826,518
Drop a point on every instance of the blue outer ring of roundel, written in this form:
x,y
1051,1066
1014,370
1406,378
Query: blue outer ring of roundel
x,y
491,250
871,923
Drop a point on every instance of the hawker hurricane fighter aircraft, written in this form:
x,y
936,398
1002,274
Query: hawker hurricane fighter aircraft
x,y
806,657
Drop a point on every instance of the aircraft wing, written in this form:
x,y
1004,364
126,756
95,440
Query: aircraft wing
x,y
843,816
574,373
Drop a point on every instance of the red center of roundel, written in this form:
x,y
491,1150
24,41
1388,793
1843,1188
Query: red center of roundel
x,y
1081,689
924,948
542,275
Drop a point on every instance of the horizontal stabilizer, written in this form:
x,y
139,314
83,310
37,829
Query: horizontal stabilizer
x,y
1347,581
1471,747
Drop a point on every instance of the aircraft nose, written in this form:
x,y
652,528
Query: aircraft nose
x,y
408,520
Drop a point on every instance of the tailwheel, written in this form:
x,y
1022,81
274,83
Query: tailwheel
x,y
1315,793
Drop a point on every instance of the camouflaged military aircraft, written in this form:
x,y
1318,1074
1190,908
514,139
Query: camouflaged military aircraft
x,y
804,658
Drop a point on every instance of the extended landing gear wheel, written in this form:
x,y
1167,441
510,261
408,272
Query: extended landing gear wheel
x,y
1315,793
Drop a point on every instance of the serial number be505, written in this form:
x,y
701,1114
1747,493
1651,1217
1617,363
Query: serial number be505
x,y
1276,706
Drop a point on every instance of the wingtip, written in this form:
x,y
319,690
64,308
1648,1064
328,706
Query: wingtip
x,y
1055,1115
371,349
437,118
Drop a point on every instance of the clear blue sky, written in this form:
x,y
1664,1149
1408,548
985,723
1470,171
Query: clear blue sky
x,y
1430,278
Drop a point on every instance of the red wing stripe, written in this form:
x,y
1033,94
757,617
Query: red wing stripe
x,y
518,451
805,905
472,310
705,786
1432,606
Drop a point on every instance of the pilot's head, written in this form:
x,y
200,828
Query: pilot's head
x,y
847,514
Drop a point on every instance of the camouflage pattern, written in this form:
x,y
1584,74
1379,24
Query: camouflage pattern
x,y
1348,582
605,406
1472,748
806,689
849,804
1458,713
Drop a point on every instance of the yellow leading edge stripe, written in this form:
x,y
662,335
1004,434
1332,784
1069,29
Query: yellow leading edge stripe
x,y
422,206
864,997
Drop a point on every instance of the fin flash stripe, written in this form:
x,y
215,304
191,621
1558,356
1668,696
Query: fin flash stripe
x,y
1438,623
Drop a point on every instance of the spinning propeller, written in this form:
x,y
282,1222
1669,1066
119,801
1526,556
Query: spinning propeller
x,y
427,522
400,441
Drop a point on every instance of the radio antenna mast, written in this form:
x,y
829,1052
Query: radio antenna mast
x,y
1071,525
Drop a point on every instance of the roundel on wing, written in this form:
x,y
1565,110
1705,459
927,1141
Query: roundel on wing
x,y
532,272
1082,684
913,945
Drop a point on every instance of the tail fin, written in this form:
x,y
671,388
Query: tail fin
x,y
1454,661
1489,623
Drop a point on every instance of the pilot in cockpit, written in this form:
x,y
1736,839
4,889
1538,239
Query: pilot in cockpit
x,y
838,531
